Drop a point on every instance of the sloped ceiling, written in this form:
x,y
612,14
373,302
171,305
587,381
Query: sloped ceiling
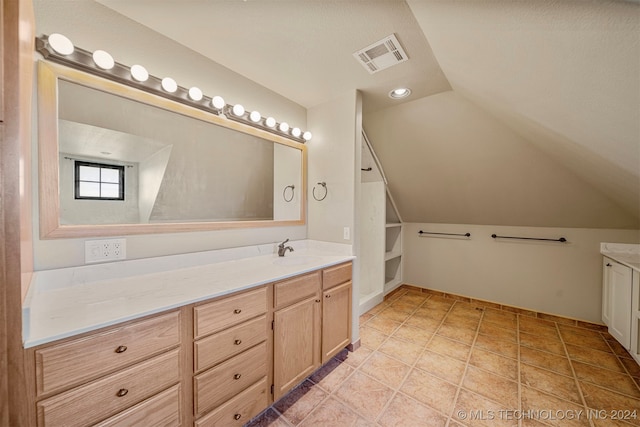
x,y
564,76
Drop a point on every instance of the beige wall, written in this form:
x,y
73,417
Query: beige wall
x,y
562,279
449,161
92,26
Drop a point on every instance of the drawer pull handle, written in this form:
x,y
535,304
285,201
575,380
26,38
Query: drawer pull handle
x,y
237,376
608,265
122,392
237,311
237,417
121,349
237,342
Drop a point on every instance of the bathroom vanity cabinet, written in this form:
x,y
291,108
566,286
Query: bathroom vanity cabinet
x,y
218,362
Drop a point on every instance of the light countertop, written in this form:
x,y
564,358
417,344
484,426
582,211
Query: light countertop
x,y
69,301
626,254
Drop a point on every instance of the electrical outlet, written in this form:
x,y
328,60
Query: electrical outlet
x,y
104,250
346,234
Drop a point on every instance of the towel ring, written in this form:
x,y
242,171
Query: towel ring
x,y
324,184
284,193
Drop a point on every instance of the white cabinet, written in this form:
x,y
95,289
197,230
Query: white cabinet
x,y
635,316
617,300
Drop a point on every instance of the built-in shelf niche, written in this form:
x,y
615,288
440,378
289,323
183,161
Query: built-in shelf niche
x,y
392,216
392,273
393,247
393,241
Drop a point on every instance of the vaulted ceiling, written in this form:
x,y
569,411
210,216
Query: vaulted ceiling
x,y
522,112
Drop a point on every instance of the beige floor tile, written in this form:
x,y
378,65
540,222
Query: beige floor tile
x,y
553,383
435,313
494,363
331,413
621,383
355,358
269,418
552,345
415,297
413,334
500,318
528,422
632,366
404,306
402,350
426,323
491,386
430,390
365,317
607,422
538,327
370,337
331,375
392,313
589,339
404,411
386,369
603,399
554,409
378,308
300,401
365,395
475,410
383,324
463,322
450,348
465,336
618,349
497,345
441,366
542,359
594,357
495,331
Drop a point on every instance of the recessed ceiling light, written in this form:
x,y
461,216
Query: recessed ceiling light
x,y
401,92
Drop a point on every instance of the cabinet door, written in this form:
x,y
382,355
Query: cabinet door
x,y
635,316
336,320
296,344
606,290
620,300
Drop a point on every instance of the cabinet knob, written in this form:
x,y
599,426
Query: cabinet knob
x,y
237,376
317,300
328,296
237,342
237,417
608,264
237,311
122,392
121,349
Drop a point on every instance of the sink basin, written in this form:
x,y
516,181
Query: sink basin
x,y
295,260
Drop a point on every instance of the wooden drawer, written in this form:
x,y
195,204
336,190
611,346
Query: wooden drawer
x,y
298,288
336,275
221,346
107,396
161,410
219,384
221,314
239,410
76,361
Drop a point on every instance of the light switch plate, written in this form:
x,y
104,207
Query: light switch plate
x,y
104,250
346,233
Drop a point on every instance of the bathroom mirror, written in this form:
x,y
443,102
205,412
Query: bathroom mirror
x,y
114,160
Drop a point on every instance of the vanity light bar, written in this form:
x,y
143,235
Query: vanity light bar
x,y
57,48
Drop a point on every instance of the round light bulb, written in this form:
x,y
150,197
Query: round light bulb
x,y
296,132
195,94
401,92
60,44
218,102
306,136
103,59
284,126
255,116
169,85
270,122
238,110
139,73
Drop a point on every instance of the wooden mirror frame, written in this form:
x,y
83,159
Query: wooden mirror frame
x,y
48,169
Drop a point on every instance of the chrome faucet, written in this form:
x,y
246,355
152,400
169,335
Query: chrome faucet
x,y
282,249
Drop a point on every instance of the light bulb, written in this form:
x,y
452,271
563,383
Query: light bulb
x,y
296,132
238,110
60,44
255,116
103,59
270,122
195,94
139,73
218,102
307,136
284,126
169,85
401,92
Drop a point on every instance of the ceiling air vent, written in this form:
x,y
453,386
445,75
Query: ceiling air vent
x,y
382,54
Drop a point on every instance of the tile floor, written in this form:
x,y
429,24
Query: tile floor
x,y
430,361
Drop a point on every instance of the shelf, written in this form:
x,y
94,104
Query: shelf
x,y
391,282
392,255
394,224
